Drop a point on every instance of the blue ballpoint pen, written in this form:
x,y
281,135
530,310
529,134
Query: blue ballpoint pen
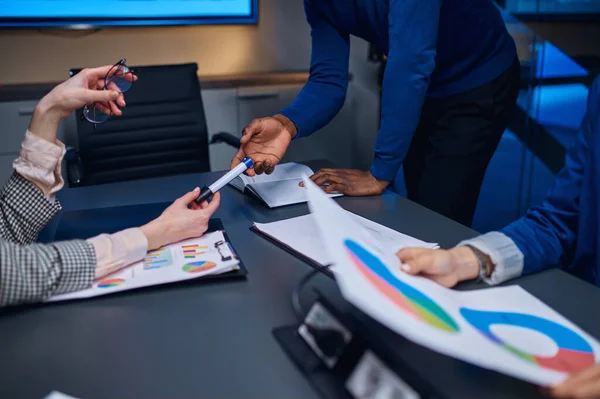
x,y
209,191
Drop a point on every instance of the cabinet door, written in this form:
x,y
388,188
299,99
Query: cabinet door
x,y
334,142
14,117
6,168
221,109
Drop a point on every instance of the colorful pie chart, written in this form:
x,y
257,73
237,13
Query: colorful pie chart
x,y
198,267
110,283
574,352
406,297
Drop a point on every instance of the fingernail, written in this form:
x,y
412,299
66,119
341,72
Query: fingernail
x,y
405,268
124,103
114,94
197,189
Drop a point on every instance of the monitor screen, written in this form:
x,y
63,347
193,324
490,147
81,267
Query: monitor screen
x,y
40,13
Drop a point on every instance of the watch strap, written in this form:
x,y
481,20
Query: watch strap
x,y
482,263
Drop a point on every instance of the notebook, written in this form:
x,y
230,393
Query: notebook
x,y
280,188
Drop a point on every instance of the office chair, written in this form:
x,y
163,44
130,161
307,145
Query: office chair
x,y
162,131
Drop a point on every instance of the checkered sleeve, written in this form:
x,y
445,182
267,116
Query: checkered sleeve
x,y
24,210
33,273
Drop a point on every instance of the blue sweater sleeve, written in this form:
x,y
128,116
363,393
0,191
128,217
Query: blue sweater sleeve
x,y
413,30
325,92
547,234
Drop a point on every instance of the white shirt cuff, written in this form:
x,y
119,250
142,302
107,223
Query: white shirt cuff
x,y
506,256
115,251
40,162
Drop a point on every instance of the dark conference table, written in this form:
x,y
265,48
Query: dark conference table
x,y
213,339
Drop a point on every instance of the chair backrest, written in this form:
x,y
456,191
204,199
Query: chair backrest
x,y
162,130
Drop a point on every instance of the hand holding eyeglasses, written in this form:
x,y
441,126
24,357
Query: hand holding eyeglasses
x,y
89,88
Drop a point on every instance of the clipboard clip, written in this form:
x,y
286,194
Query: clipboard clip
x,y
224,250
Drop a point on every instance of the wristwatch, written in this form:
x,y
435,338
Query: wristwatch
x,y
483,269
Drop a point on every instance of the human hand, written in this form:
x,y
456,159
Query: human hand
x,y
584,384
84,88
348,182
445,267
265,140
178,222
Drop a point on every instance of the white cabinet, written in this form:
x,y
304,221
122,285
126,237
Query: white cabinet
x,y
221,110
6,167
14,120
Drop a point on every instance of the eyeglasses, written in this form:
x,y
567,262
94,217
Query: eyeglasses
x,y
120,79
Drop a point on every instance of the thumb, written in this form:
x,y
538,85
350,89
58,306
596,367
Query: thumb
x,y
253,128
189,197
100,95
213,205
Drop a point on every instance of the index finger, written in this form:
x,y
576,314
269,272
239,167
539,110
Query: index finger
x,y
409,253
99,72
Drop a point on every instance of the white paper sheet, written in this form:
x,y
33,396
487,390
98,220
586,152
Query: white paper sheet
x,y
185,260
505,329
58,395
284,171
302,234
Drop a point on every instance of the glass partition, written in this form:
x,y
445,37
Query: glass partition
x,y
551,106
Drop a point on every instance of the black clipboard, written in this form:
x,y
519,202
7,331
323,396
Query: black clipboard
x,y
311,262
89,223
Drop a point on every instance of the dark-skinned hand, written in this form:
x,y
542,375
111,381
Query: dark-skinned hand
x,y
265,140
348,182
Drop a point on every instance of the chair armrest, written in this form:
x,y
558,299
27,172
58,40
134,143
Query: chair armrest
x,y
226,138
74,167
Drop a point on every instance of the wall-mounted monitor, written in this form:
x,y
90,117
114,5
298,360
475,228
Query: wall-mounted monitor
x,y
99,13
553,9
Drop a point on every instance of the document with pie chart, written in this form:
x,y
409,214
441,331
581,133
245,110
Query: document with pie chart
x,y
505,329
186,260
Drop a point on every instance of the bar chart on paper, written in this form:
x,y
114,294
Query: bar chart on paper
x,y
192,251
157,259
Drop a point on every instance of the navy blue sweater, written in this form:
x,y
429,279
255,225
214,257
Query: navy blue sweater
x,y
434,48
565,230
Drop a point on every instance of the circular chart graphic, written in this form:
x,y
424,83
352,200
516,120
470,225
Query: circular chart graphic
x,y
110,283
406,297
198,267
574,352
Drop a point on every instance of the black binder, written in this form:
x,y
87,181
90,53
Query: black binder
x,y
92,222
311,262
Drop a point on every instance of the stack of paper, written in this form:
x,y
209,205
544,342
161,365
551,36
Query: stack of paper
x,y
186,260
504,329
301,234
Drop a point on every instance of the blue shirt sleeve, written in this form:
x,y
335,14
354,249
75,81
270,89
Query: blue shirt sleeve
x,y
548,233
325,92
413,31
